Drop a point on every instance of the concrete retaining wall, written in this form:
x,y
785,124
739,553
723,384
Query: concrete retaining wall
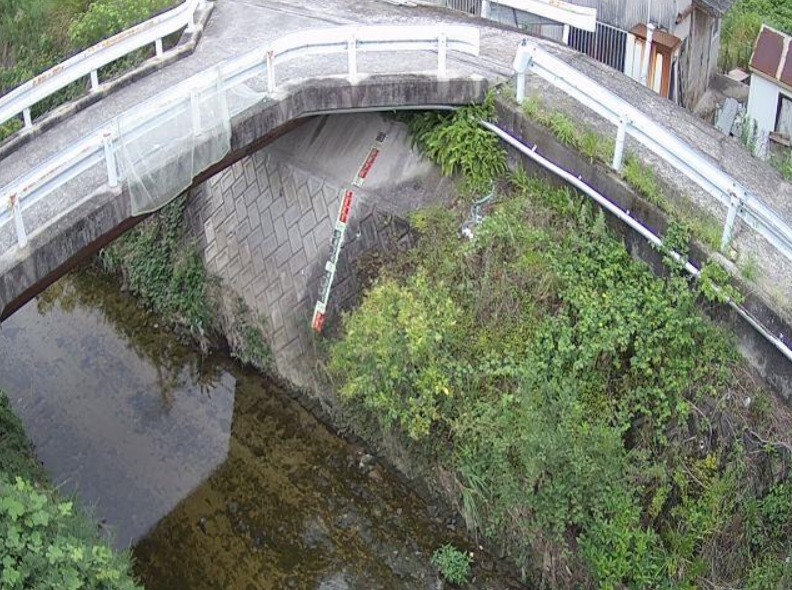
x,y
265,225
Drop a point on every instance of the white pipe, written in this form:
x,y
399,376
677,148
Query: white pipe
x,y
622,215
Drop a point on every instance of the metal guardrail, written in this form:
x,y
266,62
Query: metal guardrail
x,y
87,63
630,121
101,145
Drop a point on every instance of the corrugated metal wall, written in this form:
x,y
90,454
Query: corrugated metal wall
x,y
625,14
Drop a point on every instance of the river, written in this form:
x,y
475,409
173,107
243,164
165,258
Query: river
x,y
214,475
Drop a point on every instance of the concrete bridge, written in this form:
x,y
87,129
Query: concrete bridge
x,y
264,218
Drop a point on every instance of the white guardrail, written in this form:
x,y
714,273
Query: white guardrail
x,y
630,121
102,145
87,63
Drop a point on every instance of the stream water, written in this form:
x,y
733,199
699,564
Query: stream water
x,y
215,476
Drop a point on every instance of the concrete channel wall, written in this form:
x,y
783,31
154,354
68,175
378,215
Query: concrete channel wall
x,y
265,227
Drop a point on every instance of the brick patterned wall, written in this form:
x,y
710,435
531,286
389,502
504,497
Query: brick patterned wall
x,y
265,226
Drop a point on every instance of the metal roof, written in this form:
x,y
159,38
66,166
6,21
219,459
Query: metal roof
x,y
716,7
771,55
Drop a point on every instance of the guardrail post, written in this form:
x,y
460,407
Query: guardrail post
x,y
27,118
486,8
16,211
158,47
110,159
442,54
735,205
94,81
520,87
352,58
621,138
270,70
195,110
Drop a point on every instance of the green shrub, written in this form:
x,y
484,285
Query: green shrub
x,y
397,352
459,144
44,545
162,268
246,337
642,178
453,564
741,26
105,18
544,319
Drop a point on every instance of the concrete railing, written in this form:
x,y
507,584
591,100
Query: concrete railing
x,y
628,120
87,63
99,148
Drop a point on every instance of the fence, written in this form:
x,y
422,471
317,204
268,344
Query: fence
x,y
607,44
159,145
740,203
20,100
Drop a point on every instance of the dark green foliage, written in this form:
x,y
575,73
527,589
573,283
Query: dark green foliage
x,y
160,266
246,338
44,541
459,144
46,545
16,454
38,34
453,564
568,390
741,26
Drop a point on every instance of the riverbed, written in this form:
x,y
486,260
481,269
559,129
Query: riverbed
x,y
209,471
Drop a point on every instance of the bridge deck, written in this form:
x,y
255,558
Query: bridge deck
x,y
238,26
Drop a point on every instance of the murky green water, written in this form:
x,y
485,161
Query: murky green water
x,y
219,478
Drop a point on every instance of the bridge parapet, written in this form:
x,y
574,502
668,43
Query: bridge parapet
x,y
159,146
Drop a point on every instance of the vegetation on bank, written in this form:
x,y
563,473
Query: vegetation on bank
x,y
582,411
741,26
159,263
38,34
45,541
641,177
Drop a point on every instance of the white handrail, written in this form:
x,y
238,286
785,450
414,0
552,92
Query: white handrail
x,y
631,121
102,144
87,63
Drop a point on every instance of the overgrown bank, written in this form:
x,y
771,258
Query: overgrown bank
x,y
741,26
46,541
158,262
38,34
581,411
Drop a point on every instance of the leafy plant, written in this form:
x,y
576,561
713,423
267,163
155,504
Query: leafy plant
x,y
159,265
642,178
715,286
454,565
544,319
396,354
564,129
246,338
741,26
42,548
459,144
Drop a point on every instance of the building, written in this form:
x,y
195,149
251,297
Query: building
x,y
770,98
683,36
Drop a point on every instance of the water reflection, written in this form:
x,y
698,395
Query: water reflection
x,y
222,480
117,410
